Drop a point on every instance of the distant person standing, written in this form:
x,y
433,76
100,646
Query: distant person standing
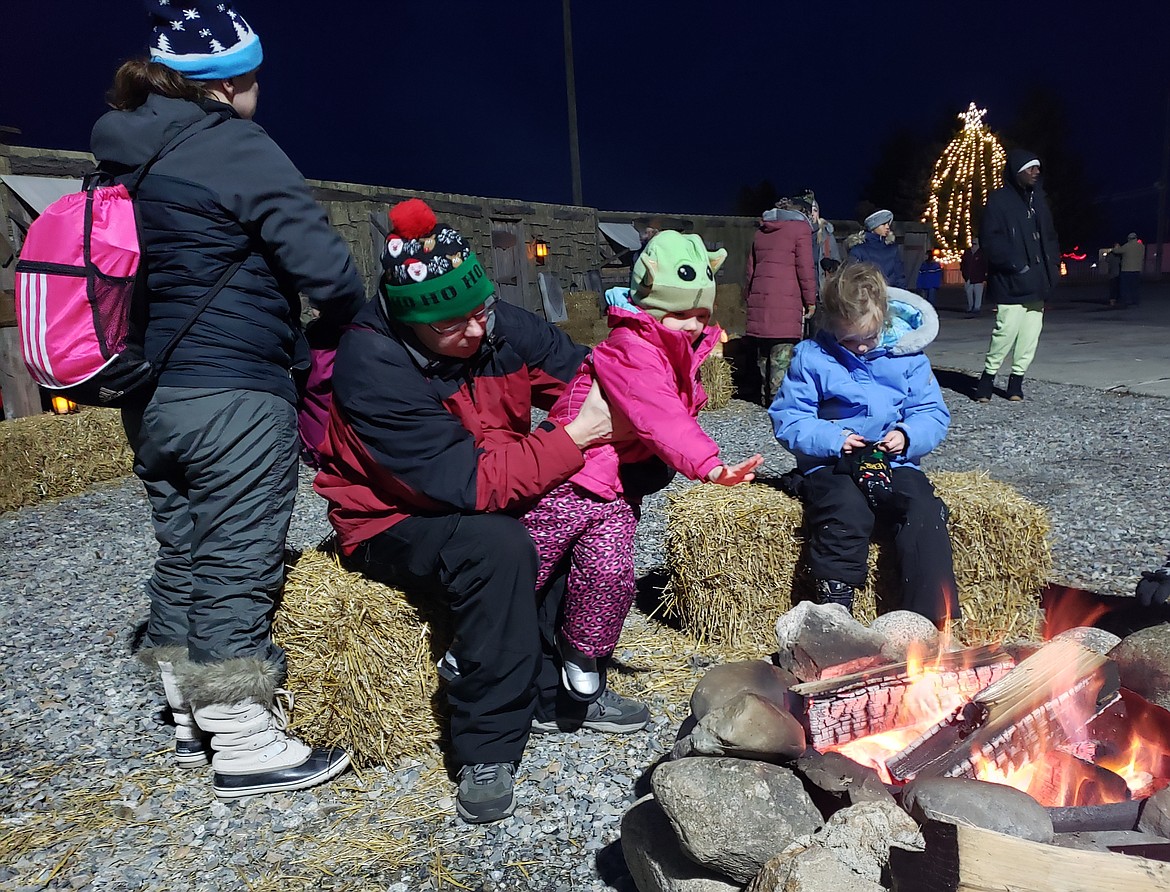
x,y
780,291
1132,254
1023,256
973,266
876,246
1113,269
826,251
930,277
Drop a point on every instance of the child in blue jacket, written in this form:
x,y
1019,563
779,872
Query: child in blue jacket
x,y
859,408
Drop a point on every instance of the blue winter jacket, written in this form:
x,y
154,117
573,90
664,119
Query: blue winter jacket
x,y
873,249
829,391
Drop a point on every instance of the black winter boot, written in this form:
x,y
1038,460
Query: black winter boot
x,y
984,388
1015,388
833,591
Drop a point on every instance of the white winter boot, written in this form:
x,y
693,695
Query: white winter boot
x,y
238,703
191,746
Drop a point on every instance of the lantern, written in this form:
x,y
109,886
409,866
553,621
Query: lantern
x,y
63,406
540,251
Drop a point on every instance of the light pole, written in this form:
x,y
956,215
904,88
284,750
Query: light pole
x,y
1163,183
571,87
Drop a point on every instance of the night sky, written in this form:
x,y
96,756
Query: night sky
x,y
679,104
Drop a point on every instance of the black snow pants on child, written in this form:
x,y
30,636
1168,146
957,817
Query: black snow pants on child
x,y
840,522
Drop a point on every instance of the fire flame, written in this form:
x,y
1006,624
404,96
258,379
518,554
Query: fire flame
x,y
1135,745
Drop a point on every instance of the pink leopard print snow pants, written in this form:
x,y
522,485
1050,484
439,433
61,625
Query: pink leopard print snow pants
x,y
599,536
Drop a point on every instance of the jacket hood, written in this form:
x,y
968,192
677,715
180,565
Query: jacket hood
x,y
912,326
776,225
782,215
863,236
1016,159
619,311
130,138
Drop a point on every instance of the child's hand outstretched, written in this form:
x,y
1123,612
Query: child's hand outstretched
x,y
730,475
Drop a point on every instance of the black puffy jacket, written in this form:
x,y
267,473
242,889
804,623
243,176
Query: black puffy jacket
x,y
1022,268
227,193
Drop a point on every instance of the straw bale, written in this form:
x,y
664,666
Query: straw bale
x,y
735,561
716,375
361,661
51,456
586,323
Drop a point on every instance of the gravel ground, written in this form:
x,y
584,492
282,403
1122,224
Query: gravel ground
x,y
90,800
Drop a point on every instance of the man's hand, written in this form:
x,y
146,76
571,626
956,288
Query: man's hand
x,y
893,443
730,475
594,423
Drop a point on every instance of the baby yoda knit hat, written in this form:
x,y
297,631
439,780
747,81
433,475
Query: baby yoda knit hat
x,y
204,40
675,273
429,273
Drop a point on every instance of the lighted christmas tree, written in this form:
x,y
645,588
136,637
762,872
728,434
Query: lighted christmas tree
x,y
968,169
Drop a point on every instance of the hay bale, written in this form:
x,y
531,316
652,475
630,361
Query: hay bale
x,y
52,456
586,323
361,661
730,310
735,560
716,376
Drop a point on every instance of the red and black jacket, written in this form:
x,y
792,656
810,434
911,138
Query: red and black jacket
x,y
414,434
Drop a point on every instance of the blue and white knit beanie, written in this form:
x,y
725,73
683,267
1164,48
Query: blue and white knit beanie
x,y
877,218
204,40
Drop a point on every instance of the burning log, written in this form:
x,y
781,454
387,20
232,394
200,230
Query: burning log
x,y
970,859
1033,709
838,710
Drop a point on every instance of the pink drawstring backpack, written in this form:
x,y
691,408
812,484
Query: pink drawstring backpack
x,y
80,301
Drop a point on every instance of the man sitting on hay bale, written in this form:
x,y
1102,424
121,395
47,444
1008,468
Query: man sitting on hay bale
x,y
428,460
859,408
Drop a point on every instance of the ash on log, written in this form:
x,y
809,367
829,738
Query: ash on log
x,y
970,859
838,710
1018,718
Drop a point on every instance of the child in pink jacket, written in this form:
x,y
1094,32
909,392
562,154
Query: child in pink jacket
x,y
648,370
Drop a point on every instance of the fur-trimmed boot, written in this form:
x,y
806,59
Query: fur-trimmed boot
x,y
1015,388
192,749
238,703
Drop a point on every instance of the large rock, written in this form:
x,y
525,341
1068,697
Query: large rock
x,y
733,815
1156,814
813,638
721,684
809,868
905,631
1143,659
838,774
656,860
749,727
1091,638
959,800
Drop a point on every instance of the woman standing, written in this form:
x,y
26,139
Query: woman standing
x,y
781,290
216,447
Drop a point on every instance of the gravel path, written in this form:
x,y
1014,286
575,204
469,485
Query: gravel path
x,y
91,801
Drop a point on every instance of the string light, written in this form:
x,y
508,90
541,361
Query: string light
x,y
967,171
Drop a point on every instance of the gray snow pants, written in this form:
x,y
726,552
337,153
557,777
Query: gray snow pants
x,y
220,470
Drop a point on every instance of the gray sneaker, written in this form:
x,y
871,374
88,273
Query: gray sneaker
x,y
610,712
486,792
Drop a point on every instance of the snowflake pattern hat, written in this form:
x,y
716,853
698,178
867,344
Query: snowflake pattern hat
x,y
430,274
204,40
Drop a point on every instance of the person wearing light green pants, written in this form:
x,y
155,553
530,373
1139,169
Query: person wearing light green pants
x,y
1023,255
1017,331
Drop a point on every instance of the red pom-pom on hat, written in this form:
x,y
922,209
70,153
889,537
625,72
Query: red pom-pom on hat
x,y
412,218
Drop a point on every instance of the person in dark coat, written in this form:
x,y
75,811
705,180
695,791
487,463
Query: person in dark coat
x,y
217,446
973,266
877,246
781,291
428,460
930,274
1023,257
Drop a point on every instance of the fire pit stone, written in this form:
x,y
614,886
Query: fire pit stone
x,y
959,800
813,638
1143,659
1156,814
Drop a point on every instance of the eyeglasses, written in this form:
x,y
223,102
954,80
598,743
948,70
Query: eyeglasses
x,y
482,315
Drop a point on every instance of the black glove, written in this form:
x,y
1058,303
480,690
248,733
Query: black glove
x,y
829,265
1154,588
870,469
